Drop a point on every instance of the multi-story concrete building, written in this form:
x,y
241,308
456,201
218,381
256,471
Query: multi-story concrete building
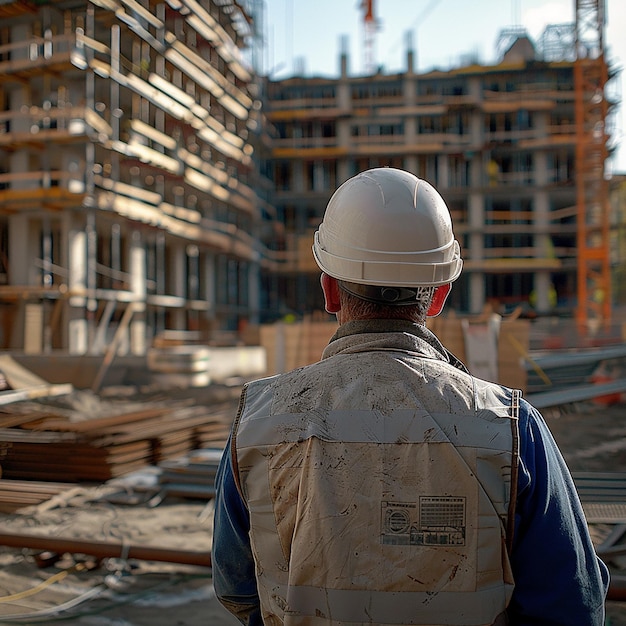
x,y
130,201
142,190
498,141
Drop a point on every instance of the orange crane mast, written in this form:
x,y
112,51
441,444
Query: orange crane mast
x,y
592,205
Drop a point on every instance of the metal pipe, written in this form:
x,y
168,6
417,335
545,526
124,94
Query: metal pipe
x,y
569,358
545,399
106,549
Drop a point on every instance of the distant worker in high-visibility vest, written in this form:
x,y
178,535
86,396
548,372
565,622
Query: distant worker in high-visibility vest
x,y
385,484
493,172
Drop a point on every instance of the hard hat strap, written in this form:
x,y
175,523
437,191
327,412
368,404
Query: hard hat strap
x,y
390,296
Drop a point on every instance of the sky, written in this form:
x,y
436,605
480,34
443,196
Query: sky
x,y
307,35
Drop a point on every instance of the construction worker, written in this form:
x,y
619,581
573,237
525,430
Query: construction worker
x,y
384,484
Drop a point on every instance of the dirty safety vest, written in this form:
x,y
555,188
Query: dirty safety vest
x,y
366,511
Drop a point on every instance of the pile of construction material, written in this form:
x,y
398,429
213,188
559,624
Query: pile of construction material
x,y
183,358
53,436
491,346
40,443
191,475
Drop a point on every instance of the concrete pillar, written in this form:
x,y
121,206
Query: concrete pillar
x,y
21,32
410,132
476,130
343,173
78,340
254,292
20,260
541,122
543,242
344,102
209,284
540,165
343,58
476,251
410,163
409,84
344,98
318,176
137,263
477,292
476,122
443,172
19,160
297,182
33,327
178,282
543,287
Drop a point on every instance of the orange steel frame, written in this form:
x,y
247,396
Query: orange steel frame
x,y
591,107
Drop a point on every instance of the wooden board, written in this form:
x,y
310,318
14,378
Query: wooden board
x,y
292,345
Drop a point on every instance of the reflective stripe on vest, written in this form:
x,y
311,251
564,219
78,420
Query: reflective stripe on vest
x,y
362,516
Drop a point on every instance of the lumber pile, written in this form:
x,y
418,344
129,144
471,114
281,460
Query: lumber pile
x,y
40,443
17,494
54,437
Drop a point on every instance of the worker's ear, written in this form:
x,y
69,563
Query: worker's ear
x,y
330,287
439,300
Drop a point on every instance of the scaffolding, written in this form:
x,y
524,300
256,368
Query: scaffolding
x,y
591,108
129,196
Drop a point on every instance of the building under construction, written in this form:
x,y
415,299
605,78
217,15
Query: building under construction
x,y
517,149
143,190
130,202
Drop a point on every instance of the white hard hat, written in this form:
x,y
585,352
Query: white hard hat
x,y
387,227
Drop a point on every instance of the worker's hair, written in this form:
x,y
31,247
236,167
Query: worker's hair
x,y
356,308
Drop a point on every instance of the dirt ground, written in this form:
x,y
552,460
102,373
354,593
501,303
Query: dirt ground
x,y
110,591
78,590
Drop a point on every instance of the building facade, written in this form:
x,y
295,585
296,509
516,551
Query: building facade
x,y
150,181
130,201
499,142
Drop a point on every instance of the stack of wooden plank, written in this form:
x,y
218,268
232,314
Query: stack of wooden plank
x,y
17,494
41,444
291,345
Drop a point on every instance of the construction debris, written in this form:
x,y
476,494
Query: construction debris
x,y
79,554
17,383
53,437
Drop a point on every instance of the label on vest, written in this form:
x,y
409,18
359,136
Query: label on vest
x,y
432,521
